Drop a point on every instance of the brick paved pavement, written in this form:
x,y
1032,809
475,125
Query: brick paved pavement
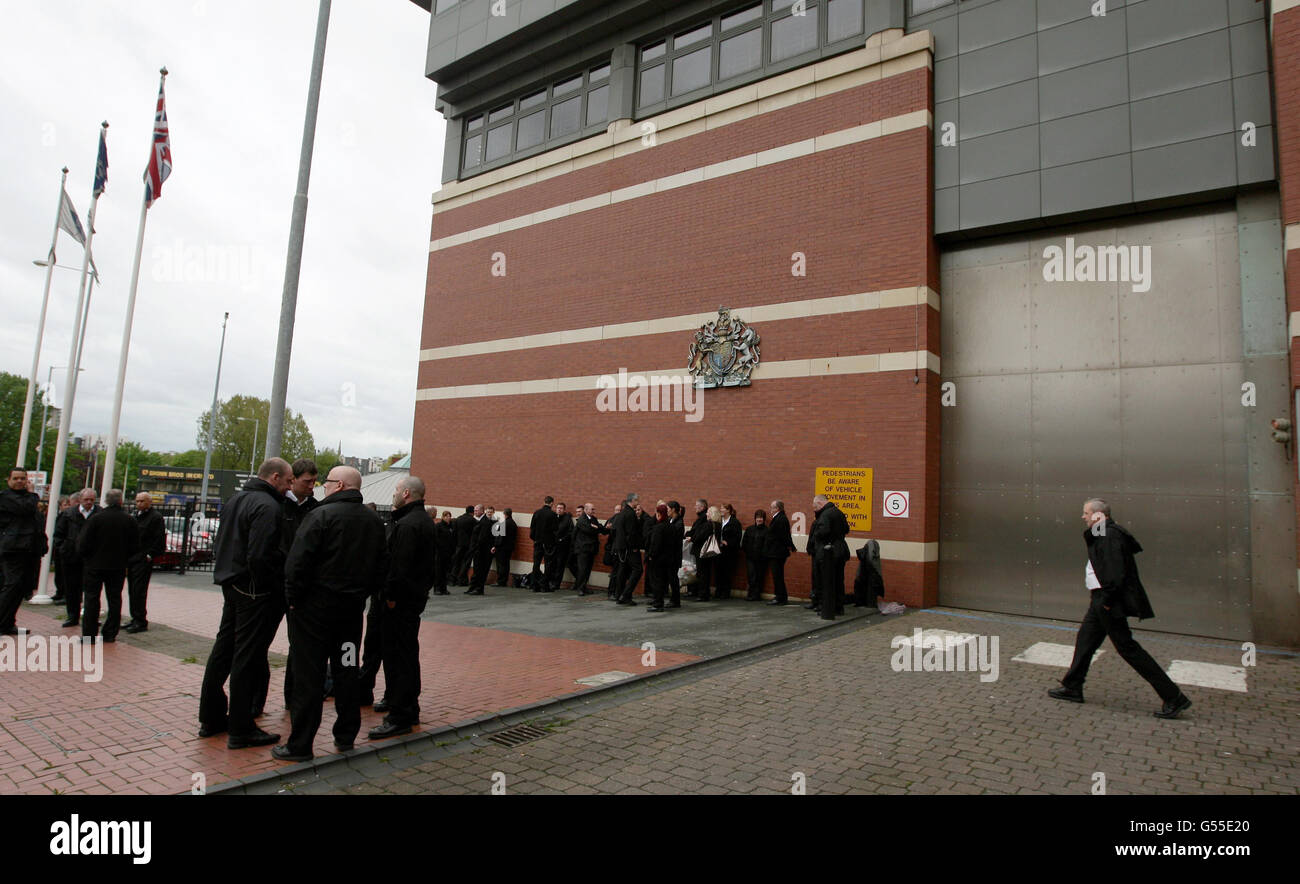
x,y
837,713
135,731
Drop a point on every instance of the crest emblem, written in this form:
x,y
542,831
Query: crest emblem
x,y
724,352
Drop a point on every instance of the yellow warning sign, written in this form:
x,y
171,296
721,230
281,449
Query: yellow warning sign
x,y
850,490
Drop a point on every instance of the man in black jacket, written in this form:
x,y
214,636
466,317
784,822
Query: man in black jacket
x,y
106,544
412,556
1115,594
337,561
248,564
299,500
586,541
65,541
700,533
628,541
561,545
731,535
480,550
541,531
445,536
18,528
153,543
677,531
464,554
777,547
830,555
504,534
56,555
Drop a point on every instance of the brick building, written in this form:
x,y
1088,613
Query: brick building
x,y
1003,254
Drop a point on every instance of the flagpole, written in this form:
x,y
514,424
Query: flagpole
x,y
40,332
70,385
293,261
110,458
212,422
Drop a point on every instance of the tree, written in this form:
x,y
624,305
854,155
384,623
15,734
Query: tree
x,y
126,468
326,459
13,394
192,458
233,445
392,459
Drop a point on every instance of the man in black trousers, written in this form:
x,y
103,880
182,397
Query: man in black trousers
x,y
830,555
106,544
412,557
464,555
480,550
445,536
65,540
541,531
56,557
561,545
700,533
777,547
18,528
677,531
628,541
153,543
299,500
1115,594
248,564
504,534
338,560
586,541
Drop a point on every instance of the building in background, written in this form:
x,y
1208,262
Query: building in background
x,y
177,486
1002,255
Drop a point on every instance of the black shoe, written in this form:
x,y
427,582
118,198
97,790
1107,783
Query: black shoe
x,y
58,600
776,602
655,608
257,737
584,592
628,604
382,705
388,729
344,747
824,617
673,605
812,607
206,731
1173,707
1074,695
284,753
70,622
133,627
110,639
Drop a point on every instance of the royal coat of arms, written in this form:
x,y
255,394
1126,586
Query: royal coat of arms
x,y
724,352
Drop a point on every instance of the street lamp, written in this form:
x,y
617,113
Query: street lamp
x,y
252,458
45,415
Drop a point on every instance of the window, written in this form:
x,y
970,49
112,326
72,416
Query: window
x,y
794,34
559,110
744,16
843,20
691,71
741,53
920,6
443,6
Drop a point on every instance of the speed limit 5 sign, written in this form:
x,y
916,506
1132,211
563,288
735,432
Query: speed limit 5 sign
x,y
896,504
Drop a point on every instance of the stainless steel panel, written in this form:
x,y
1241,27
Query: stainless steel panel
x,y
984,560
1274,606
987,443
1059,555
1270,468
1177,320
1077,431
986,321
1173,430
1075,326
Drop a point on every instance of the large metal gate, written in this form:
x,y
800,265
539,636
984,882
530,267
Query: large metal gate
x,y
1071,389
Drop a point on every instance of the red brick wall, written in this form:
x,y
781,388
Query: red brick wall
x,y
863,216
1286,98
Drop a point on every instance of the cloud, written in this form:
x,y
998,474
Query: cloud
x,y
216,240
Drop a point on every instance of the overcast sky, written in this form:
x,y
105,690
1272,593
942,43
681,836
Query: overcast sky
x,y
216,239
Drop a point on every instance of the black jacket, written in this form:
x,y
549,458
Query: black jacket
x,y
542,528
295,513
339,553
248,552
777,544
730,535
753,542
627,530
660,558
18,516
1111,553
564,531
463,526
701,531
153,533
445,537
586,535
504,542
677,530
610,558
828,533
67,527
647,524
870,580
481,539
412,556
109,539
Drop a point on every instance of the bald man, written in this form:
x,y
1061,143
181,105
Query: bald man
x,y
153,543
337,561
248,564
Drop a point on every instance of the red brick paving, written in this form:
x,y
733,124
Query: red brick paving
x,y
136,730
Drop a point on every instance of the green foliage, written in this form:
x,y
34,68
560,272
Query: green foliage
x,y
326,459
13,393
192,458
393,458
233,443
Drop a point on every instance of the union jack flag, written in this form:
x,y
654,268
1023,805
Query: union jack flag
x,y
160,159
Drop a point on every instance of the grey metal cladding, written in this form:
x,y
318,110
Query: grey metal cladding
x,y
945,37
1074,139
999,201
1153,22
1181,65
1252,100
999,155
1182,116
1091,39
1244,10
945,80
1057,12
995,23
1186,167
531,10
999,65
945,209
1257,163
1249,48
995,110
1083,89
1088,185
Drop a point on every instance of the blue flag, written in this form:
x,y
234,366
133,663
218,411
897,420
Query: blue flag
x,y
101,166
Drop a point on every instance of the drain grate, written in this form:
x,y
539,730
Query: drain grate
x,y
518,735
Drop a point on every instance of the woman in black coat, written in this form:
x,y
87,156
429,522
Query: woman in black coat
x,y
755,561
661,557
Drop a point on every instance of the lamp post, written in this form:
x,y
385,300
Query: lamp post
x,y
252,457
